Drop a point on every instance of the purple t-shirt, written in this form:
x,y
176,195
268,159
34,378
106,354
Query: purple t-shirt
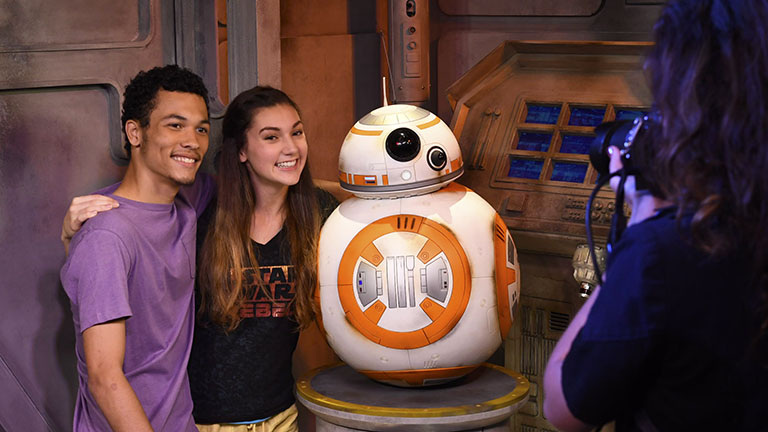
x,y
138,262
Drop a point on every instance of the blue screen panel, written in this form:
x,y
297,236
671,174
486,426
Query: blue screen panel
x,y
629,114
576,144
584,116
534,141
569,172
525,168
542,114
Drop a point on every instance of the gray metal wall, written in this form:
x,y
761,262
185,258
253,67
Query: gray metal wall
x,y
62,70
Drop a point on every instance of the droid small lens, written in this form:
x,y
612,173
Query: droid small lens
x,y
403,145
437,158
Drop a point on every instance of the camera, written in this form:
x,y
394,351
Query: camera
x,y
634,139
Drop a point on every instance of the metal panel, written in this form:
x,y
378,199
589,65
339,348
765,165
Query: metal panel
x,y
254,44
63,67
409,45
521,7
41,25
46,157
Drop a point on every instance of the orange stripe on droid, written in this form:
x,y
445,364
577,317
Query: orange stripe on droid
x,y
432,309
409,223
375,312
357,131
429,251
429,124
363,180
504,275
342,177
456,164
372,254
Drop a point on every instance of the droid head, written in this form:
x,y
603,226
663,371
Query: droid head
x,y
398,151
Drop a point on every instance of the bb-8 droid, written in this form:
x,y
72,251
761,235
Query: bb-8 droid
x,y
418,276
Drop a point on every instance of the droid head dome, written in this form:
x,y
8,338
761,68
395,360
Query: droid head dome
x,y
398,151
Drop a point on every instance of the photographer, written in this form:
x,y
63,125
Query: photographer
x,y
675,339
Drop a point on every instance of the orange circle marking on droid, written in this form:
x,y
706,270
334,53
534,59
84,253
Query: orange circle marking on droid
x,y
443,319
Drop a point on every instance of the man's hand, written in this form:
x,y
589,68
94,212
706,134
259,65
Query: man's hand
x,y
80,210
104,346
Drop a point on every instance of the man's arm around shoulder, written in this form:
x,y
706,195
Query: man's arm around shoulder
x,y
104,346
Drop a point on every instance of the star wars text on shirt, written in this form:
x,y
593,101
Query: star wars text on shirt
x,y
274,298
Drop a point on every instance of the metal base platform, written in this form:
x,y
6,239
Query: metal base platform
x,y
344,400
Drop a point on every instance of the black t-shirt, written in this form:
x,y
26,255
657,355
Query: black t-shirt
x,y
246,375
668,339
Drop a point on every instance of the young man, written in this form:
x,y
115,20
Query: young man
x,y
130,272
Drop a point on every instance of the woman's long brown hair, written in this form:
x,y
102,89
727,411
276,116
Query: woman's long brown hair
x,y
709,77
228,249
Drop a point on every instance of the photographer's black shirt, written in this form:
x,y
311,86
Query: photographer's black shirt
x,y
667,340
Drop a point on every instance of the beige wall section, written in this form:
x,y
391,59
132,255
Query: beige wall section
x,y
313,18
318,73
330,67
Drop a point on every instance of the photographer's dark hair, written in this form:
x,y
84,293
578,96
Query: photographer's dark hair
x,y
709,78
139,96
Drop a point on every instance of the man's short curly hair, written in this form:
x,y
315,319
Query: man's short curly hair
x,y
140,94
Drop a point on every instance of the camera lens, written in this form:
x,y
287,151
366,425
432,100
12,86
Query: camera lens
x,y
436,158
403,144
609,134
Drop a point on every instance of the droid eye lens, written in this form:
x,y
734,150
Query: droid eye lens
x,y
403,144
436,158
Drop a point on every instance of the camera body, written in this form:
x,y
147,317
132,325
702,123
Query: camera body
x,y
635,141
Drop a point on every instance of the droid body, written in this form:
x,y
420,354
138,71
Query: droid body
x,y
418,276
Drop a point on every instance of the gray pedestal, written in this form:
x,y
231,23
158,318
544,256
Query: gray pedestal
x,y
344,400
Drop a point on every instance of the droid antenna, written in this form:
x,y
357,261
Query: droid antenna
x,y
389,68
384,91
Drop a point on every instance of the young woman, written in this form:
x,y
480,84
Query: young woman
x,y
257,253
675,339
257,266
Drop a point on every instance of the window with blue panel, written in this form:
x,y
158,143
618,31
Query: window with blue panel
x,y
572,172
533,141
576,144
525,168
629,113
586,116
542,114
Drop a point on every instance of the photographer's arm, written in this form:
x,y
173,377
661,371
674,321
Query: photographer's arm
x,y
556,409
80,210
555,406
